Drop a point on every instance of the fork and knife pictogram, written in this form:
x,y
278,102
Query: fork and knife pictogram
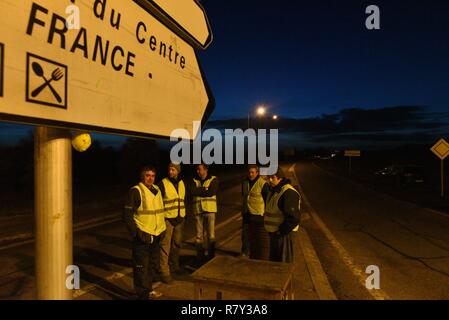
x,y
56,75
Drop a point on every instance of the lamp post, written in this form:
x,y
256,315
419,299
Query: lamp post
x,y
260,111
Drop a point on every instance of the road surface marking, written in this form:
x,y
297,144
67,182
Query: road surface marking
x,y
319,278
386,195
28,237
236,217
377,294
125,271
115,276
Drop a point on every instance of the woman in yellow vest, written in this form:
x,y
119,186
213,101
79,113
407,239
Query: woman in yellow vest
x,y
173,193
203,191
281,218
255,241
144,216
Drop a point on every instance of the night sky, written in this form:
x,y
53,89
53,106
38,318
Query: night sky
x,y
315,62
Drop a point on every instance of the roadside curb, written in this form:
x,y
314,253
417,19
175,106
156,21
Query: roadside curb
x,y
316,271
317,274
344,255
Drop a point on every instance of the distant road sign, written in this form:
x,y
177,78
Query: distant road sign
x,y
121,72
352,153
187,18
441,149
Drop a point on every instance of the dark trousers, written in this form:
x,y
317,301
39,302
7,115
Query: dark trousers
x,y
258,238
145,262
245,237
281,247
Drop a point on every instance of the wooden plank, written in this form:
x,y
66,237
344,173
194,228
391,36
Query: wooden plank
x,y
263,275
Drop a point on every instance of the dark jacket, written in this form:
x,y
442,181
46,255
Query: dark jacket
x,y
289,204
194,191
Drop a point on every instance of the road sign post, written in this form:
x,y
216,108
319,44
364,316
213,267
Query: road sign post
x,y
122,71
350,154
53,212
442,178
441,150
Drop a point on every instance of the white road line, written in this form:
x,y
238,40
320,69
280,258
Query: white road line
x,y
236,217
125,271
386,195
318,276
28,237
377,294
91,287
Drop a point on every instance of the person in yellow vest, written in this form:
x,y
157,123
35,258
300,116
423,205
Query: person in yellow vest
x,y
281,218
203,191
254,238
173,193
144,216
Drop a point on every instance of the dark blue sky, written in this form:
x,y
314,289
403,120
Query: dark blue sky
x,y
312,60
306,58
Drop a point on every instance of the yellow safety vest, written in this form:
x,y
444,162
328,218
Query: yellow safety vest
x,y
253,197
274,217
204,204
150,216
174,199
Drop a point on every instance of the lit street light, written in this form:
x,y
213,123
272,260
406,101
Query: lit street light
x,y
260,111
275,117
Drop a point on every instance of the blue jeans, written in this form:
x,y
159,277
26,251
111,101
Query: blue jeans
x,y
205,223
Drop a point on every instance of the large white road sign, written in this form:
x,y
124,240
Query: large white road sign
x,y
122,71
186,17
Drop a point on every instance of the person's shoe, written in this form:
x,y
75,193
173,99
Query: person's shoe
x,y
154,295
167,279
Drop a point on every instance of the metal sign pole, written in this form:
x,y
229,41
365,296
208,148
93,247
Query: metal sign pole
x,y
350,165
442,178
53,212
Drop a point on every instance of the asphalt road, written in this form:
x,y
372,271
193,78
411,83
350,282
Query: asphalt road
x,y
353,227
103,254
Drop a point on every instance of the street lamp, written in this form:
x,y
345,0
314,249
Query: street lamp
x,y
275,117
260,111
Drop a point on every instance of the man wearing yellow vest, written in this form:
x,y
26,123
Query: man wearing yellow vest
x,y
144,216
254,237
173,193
281,217
204,191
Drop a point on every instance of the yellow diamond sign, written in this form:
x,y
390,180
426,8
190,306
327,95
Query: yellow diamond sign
x,y
441,149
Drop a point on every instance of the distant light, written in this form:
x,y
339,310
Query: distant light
x,y
261,111
275,117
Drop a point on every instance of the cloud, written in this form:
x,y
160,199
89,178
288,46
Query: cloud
x,y
398,124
